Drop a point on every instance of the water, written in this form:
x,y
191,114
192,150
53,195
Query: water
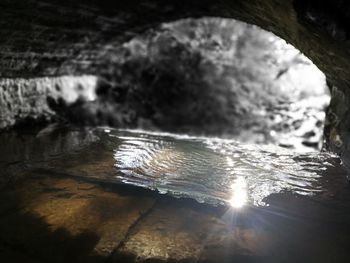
x,y
100,194
214,171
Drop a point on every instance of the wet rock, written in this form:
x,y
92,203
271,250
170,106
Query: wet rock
x,y
175,232
30,147
337,123
70,208
71,219
42,144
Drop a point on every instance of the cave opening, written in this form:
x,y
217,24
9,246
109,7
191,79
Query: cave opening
x,y
200,142
213,77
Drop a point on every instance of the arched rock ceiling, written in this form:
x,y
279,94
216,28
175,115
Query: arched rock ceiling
x,y
56,37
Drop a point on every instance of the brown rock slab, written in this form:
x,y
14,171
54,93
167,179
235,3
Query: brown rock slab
x,y
69,219
174,232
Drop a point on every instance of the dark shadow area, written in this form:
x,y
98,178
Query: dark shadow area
x,y
25,237
330,16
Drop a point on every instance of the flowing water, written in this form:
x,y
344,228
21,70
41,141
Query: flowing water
x,y
262,203
216,171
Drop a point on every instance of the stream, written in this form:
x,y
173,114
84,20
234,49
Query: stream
x,y
217,197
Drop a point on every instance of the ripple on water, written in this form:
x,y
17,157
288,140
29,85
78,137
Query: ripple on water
x,y
216,171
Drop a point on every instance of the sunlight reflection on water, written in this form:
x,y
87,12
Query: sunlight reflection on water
x,y
239,193
213,170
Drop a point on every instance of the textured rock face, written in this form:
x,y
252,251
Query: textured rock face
x,y
57,37
30,99
50,38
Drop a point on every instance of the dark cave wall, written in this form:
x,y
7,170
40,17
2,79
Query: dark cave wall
x,y
55,38
43,38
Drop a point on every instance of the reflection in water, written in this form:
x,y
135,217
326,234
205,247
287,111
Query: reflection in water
x,y
216,171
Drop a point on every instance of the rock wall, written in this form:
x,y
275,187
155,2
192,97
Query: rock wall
x,y
23,100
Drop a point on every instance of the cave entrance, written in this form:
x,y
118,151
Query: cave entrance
x,y
78,191
218,77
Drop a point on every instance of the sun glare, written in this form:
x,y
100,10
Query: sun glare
x,y
239,193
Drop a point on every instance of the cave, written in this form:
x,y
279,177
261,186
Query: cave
x,y
46,39
153,131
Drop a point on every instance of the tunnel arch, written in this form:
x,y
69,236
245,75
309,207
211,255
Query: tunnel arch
x,y
52,28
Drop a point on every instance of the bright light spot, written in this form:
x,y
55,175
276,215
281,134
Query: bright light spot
x,y
107,130
239,193
273,133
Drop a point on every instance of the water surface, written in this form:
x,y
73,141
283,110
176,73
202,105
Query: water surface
x,y
217,171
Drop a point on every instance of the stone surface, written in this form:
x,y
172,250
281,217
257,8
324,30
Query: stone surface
x,y
22,99
57,37
65,219
175,231
68,219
